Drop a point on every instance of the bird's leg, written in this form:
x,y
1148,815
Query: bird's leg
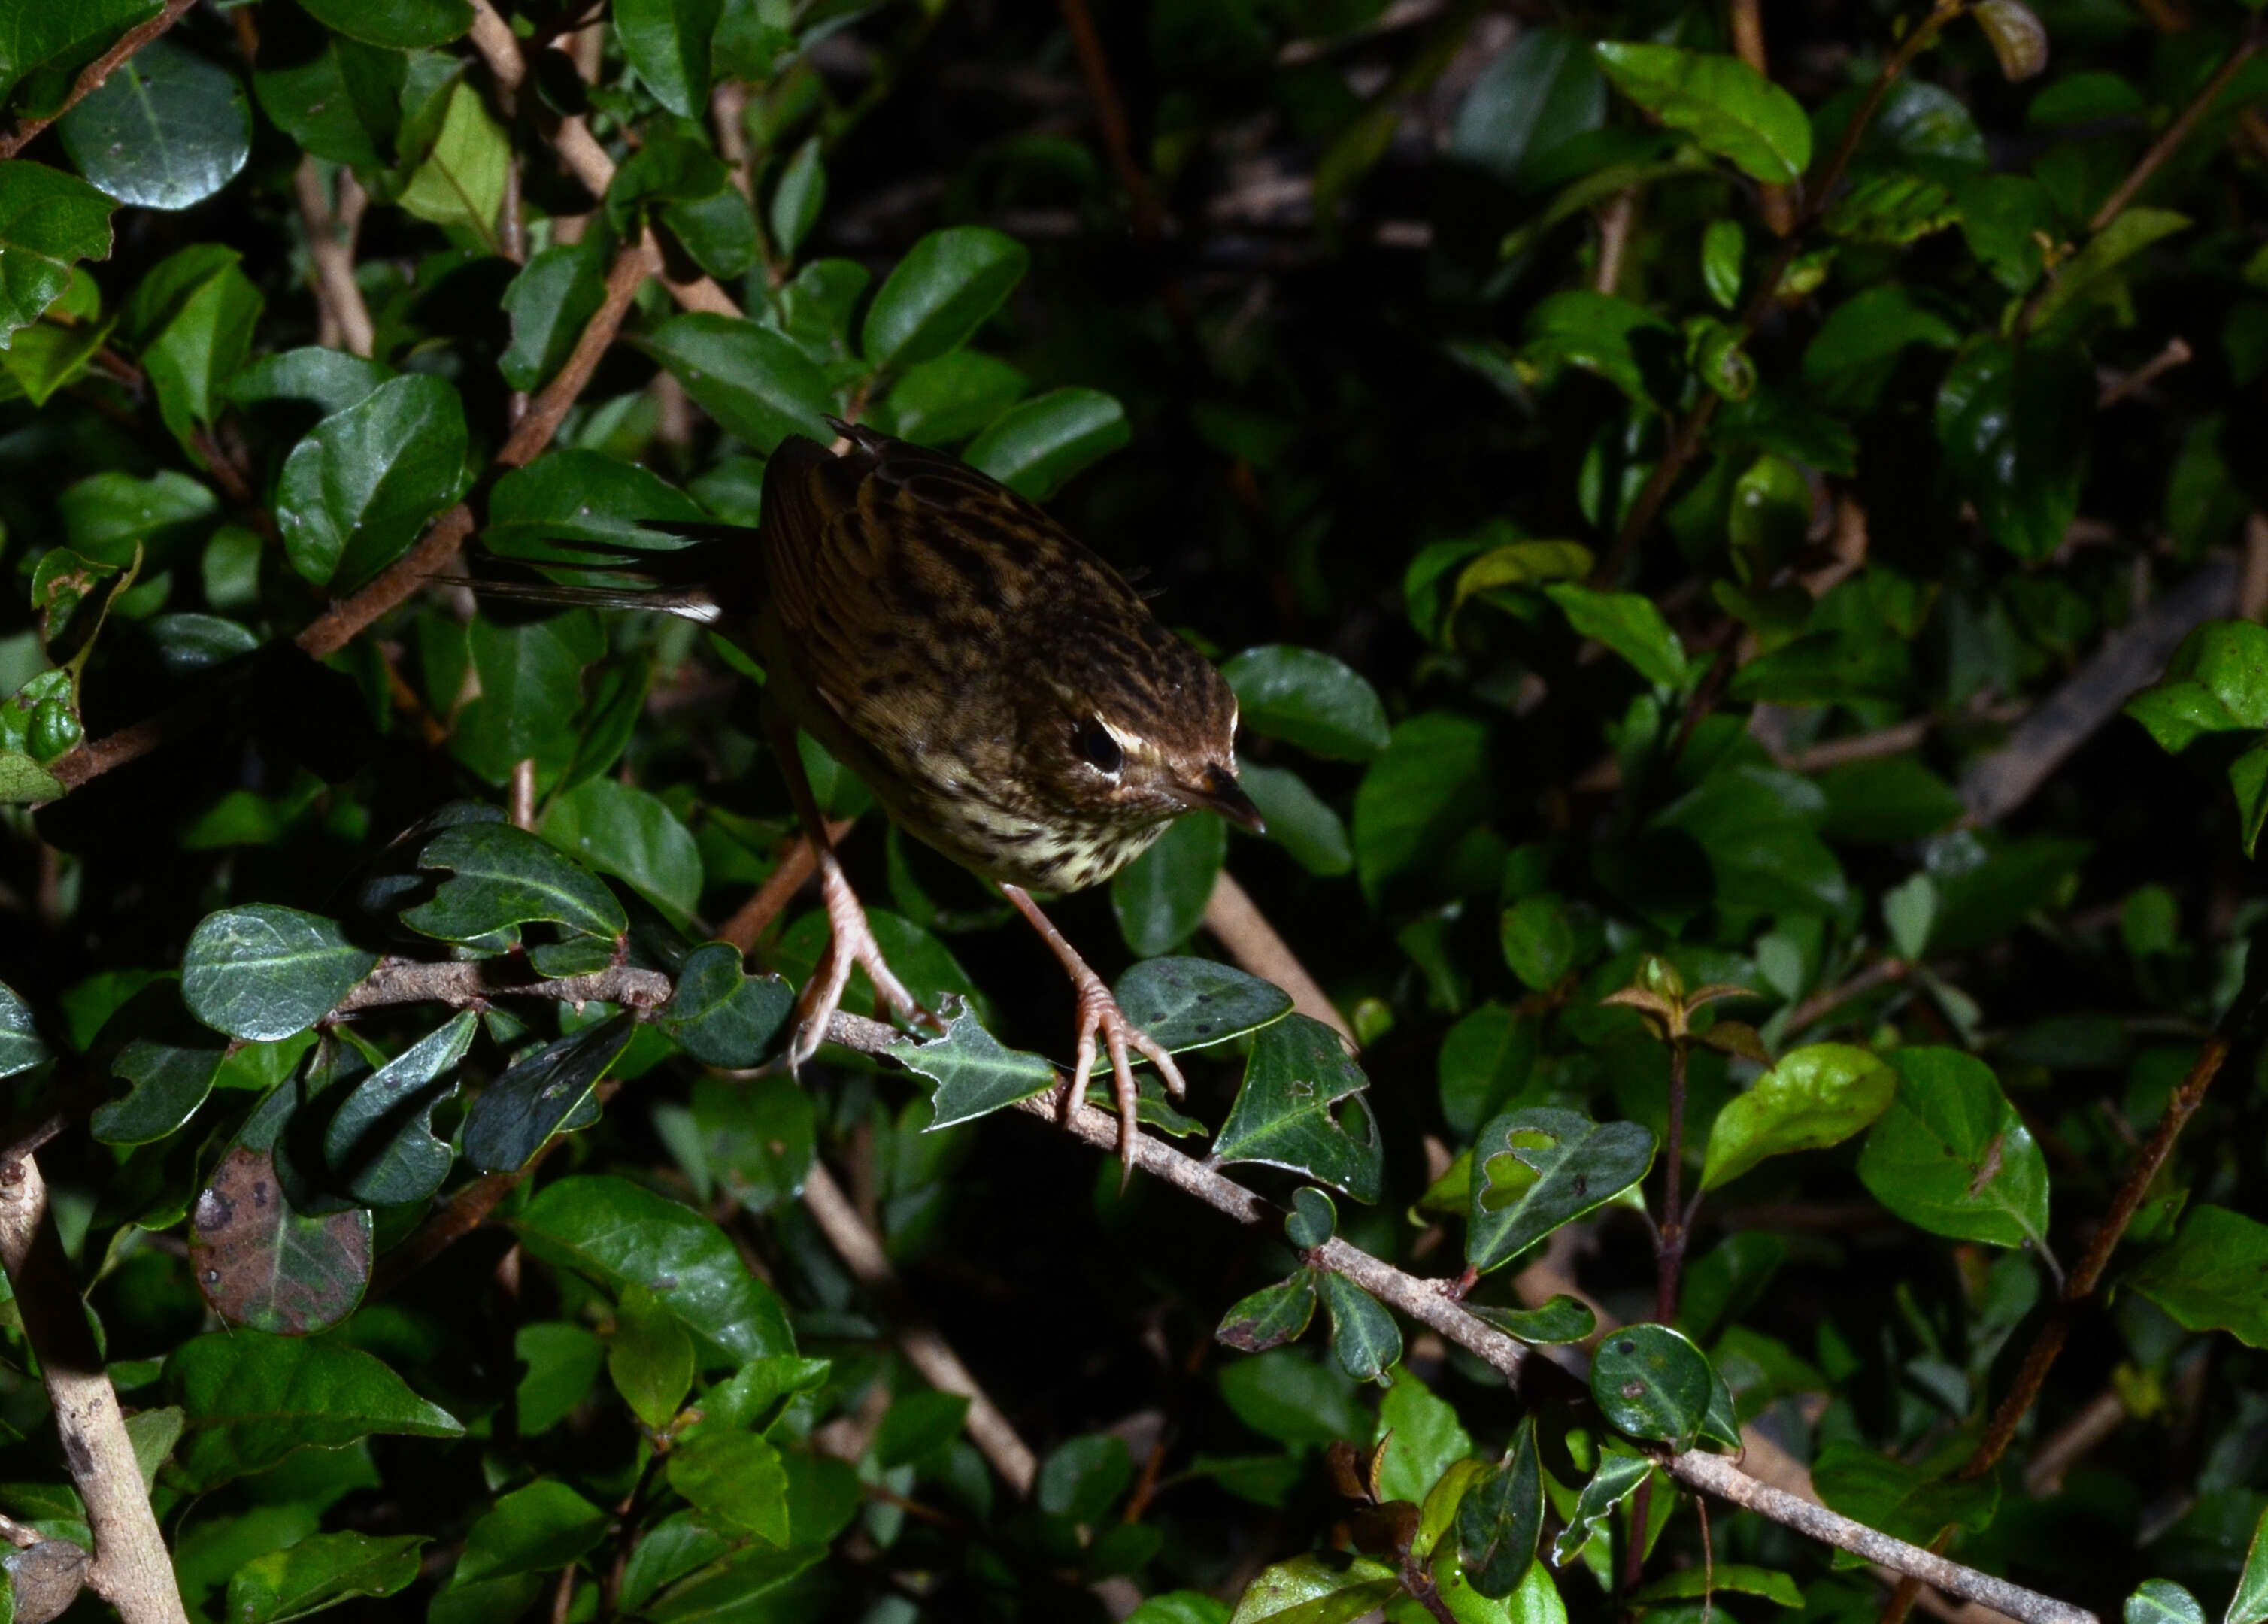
x,y
1099,1015
850,939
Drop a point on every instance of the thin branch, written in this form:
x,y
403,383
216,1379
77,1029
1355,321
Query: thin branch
x,y
797,863
1110,114
345,620
2177,132
632,266
473,984
330,248
925,1348
1239,926
90,80
1879,973
131,1570
1748,31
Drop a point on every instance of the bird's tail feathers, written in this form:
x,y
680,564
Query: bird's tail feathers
x,y
691,603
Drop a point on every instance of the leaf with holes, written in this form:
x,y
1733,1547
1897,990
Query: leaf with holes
x,y
1539,1168
974,1074
1301,1107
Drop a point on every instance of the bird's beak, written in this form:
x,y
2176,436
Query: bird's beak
x,y
1221,793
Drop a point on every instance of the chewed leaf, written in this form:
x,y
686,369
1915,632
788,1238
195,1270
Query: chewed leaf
x,y
1618,1475
1536,1169
975,1074
1283,1113
260,1263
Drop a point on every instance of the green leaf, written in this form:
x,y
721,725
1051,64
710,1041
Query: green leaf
x,y
2161,1601
1528,102
2217,681
1161,897
1739,1578
1628,624
754,382
1314,1219
533,1530
798,196
48,42
397,25
720,1014
1623,341
2015,422
261,1262
1422,1437
1726,105
918,1427
357,490
253,1398
1485,1059
2250,1605
167,131
1083,1477
667,42
563,1361
628,832
1616,1478
48,356
1301,1107
936,297
1539,941
204,337
1891,210
1907,1502
330,380
379,1143
1324,1588
1756,828
1651,1383
1363,1337
1192,1003
735,1481
1850,359
501,876
343,106
950,398
529,682
1724,245
1519,563
974,1076
262,972
1179,1607
1305,697
48,221
21,1046
1561,1320
1298,819
2209,1278
169,1082
1501,1517
1035,447
321,1571
1271,1316
1814,1097
1952,1156
1536,1169
1428,789
1889,799
554,296
2080,279
581,495
620,1234
650,1356
546,1091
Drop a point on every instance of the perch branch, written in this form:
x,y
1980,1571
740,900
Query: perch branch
x,y
90,79
330,249
925,1348
473,984
131,1570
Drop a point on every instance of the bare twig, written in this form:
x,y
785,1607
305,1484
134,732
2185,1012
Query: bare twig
x,y
1748,30
2176,353
1110,114
2176,133
91,78
925,1348
473,984
523,793
1617,219
1826,1002
330,248
797,864
1244,930
131,1570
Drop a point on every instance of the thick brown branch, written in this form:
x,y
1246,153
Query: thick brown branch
x,y
90,79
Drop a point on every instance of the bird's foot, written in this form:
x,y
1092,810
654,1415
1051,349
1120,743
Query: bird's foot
x,y
1100,1018
850,944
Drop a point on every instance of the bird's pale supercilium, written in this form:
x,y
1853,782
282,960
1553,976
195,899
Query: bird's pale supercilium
x,y
1005,695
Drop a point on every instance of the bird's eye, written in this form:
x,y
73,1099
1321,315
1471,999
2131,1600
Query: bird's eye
x,y
1097,748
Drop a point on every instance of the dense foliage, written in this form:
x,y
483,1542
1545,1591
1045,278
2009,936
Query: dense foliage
x,y
1734,538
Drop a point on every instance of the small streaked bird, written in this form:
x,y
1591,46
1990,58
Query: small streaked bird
x,y
1004,693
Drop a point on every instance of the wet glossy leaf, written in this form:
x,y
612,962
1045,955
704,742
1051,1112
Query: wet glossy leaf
x,y
542,1093
1306,698
581,495
1325,1588
974,1076
754,382
398,24
1952,1154
1725,104
620,1233
261,1263
1814,1097
1190,1003
721,1015
319,1572
625,832
2210,1278
2250,1605
262,972
2161,1601
168,130
500,877
2015,424
1628,624
533,1530
1300,1106
1161,897
936,297
21,1046
1501,1517
355,492
1539,1168
253,1398
379,1143
1617,1477
1906,1502
650,1356
1561,1319
1271,1316
48,221
668,42
1651,1383
1035,447
1363,1337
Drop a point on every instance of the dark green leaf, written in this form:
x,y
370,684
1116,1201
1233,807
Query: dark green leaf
x,y
1084,1477
1189,1004
650,1357
321,1571
1501,1517
1301,1107
356,491
667,42
2210,1278
21,1047
735,1481
580,496
2250,1605
2161,1601
620,1233
1306,698
1271,1316
1326,1587
379,1143
557,292
253,1398
1429,787
563,1361
1298,819
1755,827
1034,447
1292,1399
1617,1476
539,1095
500,877
1161,897
1906,1501
1814,1097
1623,341
1536,1169
1561,1319
1739,1578
1363,1337
48,221
1531,100
1485,1060
940,293
1314,1219
628,832
2081,278
918,1427
168,130
951,398
2015,423
262,972
1851,359
1952,1154
1724,104
974,1076
1651,1383
533,1530
798,196
1628,624
398,24
720,1014
754,382
329,380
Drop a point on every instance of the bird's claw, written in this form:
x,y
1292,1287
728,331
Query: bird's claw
x,y
850,944
1100,1018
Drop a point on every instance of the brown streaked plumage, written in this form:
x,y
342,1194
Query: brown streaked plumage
x,y
1004,693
